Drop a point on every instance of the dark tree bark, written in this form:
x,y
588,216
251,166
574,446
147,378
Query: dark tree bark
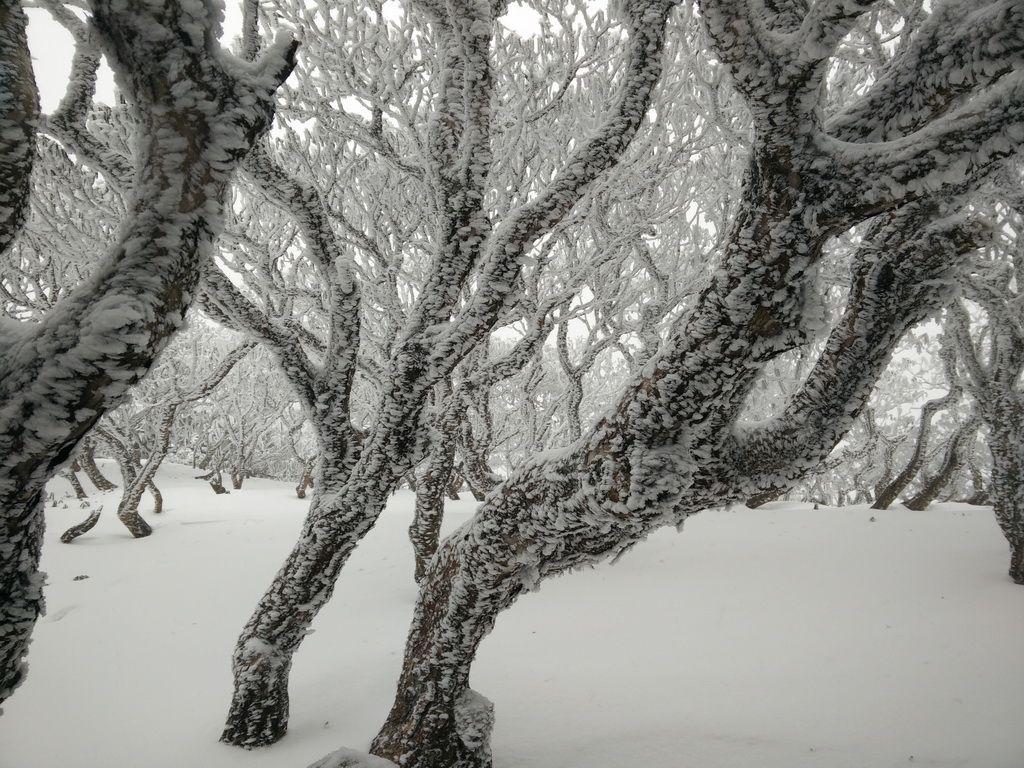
x,y
76,485
19,113
158,498
216,481
87,459
306,481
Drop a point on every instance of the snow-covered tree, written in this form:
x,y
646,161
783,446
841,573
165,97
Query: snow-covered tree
x,y
195,113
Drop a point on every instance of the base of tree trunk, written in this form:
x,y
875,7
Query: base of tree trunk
x,y
463,740
133,521
1017,563
259,707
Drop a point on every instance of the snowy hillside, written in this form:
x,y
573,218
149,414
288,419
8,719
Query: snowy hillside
x,y
779,638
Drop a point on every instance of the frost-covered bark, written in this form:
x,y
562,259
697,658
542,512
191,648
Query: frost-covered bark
x,y
19,110
197,114
669,447
87,460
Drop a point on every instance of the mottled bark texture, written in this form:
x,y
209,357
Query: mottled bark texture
x,y
671,446
196,117
439,331
87,460
76,485
19,111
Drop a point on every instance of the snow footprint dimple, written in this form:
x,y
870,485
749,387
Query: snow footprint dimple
x,y
58,615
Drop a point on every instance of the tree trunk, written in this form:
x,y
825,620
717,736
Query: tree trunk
x,y
888,494
425,531
21,582
133,521
305,481
236,480
343,509
87,458
454,484
85,526
158,498
216,481
544,520
760,499
76,485
960,445
187,102
1004,416
1017,562
19,114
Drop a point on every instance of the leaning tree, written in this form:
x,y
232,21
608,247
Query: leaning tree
x,y
195,114
927,130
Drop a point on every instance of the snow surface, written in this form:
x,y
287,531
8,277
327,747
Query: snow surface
x,y
777,638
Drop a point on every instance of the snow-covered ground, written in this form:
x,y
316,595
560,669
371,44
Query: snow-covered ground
x,y
779,638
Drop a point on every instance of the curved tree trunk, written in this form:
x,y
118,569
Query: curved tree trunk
x,y
19,111
87,459
21,583
960,445
85,526
158,498
888,494
343,509
76,485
